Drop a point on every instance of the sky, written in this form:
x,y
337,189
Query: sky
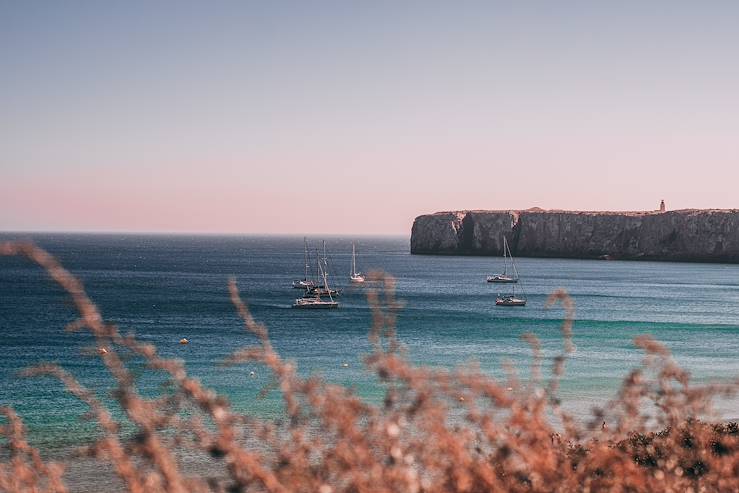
x,y
355,117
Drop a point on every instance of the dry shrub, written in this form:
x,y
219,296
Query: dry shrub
x,y
436,430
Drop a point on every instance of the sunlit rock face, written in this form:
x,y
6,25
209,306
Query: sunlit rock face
x,y
437,233
685,235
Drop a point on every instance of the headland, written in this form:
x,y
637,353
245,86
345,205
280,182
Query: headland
x,y
688,235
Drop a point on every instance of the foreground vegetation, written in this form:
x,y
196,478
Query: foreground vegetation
x,y
436,431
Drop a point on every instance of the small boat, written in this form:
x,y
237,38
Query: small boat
x,y
321,291
312,298
354,275
504,277
510,300
501,278
305,283
316,302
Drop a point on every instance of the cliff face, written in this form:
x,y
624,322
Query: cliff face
x,y
437,233
686,235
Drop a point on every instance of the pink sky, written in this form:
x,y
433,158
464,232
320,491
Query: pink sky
x,y
331,120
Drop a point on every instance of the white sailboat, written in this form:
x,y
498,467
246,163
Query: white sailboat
x,y
511,299
305,283
504,277
354,275
312,299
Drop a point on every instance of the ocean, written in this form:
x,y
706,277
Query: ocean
x,y
164,288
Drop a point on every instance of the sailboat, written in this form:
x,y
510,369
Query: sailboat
x,y
354,275
511,299
504,277
312,299
322,289
305,283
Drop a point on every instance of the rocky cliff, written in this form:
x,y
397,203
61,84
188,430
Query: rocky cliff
x,y
684,235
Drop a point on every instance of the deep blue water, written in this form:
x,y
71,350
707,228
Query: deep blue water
x,y
164,288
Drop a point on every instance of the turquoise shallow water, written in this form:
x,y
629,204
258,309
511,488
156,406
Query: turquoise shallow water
x,y
167,287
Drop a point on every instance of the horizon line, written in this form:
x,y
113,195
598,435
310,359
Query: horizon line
x,y
197,233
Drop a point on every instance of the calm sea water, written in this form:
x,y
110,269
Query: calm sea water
x,y
164,288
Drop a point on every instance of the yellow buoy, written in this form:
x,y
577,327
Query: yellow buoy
x,y
184,341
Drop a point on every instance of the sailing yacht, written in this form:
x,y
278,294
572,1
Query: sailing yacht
x,y
504,277
312,298
510,299
305,283
354,275
322,289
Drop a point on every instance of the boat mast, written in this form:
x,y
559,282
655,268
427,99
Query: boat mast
x,y
307,265
325,262
325,273
515,273
354,261
505,257
325,283
321,273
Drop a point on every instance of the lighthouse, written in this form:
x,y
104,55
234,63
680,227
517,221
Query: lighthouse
x,y
662,205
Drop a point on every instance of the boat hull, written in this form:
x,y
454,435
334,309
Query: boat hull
x,y
303,284
321,305
502,280
321,291
510,302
